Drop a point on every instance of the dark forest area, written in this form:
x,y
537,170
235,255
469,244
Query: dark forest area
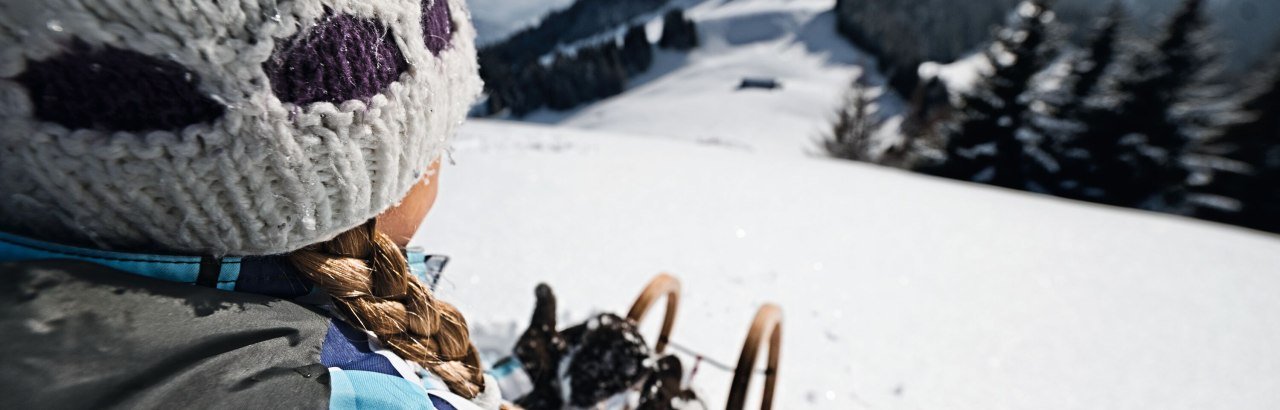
x,y
1113,116
565,61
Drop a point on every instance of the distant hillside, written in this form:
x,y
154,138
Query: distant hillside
x,y
906,33
495,20
585,18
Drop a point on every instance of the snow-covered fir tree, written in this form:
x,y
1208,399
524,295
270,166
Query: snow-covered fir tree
x,y
853,131
1248,186
983,144
637,53
1044,123
678,32
1148,118
1087,72
1058,121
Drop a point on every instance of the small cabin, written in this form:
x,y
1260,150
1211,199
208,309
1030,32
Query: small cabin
x,y
760,83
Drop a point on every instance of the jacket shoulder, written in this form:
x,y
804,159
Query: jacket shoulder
x,y
83,335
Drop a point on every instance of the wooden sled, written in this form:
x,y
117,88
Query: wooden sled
x,y
766,325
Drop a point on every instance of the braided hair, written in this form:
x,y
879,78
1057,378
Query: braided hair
x,y
369,280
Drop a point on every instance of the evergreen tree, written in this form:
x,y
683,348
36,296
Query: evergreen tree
x,y
921,146
564,80
1252,188
678,32
637,53
984,144
611,71
1144,123
593,73
856,122
502,93
1061,122
1044,125
1088,71
534,94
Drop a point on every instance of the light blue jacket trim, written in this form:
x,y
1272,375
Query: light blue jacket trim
x,y
513,381
417,263
426,267
183,269
505,367
229,274
361,390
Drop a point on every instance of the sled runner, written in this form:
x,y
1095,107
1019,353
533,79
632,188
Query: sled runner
x,y
662,285
767,325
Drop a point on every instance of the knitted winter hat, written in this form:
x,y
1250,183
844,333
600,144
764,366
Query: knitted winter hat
x,y
223,127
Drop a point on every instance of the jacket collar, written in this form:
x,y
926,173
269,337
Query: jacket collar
x,y
266,275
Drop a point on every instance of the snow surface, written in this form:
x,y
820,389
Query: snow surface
x,y
900,291
694,97
961,75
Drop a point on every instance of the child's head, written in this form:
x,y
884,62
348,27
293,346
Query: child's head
x,y
245,127
230,127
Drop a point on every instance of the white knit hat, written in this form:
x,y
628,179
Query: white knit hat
x,y
223,127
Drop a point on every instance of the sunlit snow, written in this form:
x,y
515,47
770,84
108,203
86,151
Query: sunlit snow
x,y
900,291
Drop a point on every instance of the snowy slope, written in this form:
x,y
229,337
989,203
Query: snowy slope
x,y
693,96
901,292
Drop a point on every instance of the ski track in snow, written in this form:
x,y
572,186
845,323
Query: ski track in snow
x,y
900,291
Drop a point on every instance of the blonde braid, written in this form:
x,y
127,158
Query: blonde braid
x,y
369,281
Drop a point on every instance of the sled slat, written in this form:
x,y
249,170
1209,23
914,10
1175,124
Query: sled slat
x,y
662,285
768,323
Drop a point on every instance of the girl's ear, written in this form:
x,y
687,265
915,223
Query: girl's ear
x,y
401,222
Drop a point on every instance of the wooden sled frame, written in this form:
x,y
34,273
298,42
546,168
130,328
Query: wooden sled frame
x,y
662,285
767,324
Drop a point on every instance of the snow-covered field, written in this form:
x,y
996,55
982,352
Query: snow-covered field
x,y
694,96
900,291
